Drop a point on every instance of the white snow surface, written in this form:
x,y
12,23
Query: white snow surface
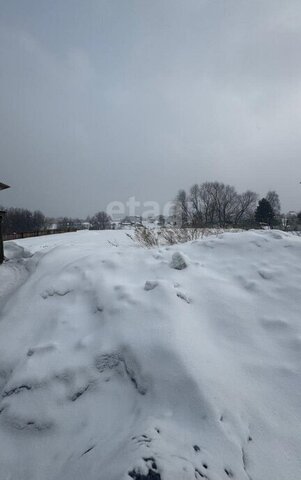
x,y
115,365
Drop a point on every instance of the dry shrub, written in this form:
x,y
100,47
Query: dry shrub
x,y
147,237
171,236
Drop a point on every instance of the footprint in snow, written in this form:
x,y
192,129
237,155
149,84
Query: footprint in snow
x,y
40,349
152,470
88,450
51,292
142,440
150,285
229,472
184,297
124,365
276,324
266,274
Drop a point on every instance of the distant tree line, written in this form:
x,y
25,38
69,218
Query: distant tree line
x,y
209,204
19,220
63,223
217,204
100,221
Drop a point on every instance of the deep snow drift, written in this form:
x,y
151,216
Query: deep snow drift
x,y
172,363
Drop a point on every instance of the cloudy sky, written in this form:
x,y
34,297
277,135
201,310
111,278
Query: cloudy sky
x,y
105,99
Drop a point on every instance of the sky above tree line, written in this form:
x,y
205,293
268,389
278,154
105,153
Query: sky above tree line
x,y
102,100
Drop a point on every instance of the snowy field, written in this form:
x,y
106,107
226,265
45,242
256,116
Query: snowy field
x,y
173,363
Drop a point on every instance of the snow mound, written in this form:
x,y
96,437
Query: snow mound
x,y
178,261
14,251
194,374
15,269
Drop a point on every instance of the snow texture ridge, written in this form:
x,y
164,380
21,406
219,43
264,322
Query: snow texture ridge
x,y
119,363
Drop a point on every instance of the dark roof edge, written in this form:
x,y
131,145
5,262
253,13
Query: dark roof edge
x,y
3,186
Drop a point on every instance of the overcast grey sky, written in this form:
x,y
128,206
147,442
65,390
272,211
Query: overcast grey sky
x,y
105,99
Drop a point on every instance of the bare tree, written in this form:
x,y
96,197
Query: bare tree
x,y
225,200
208,205
273,198
182,208
101,221
38,220
196,206
215,204
246,205
219,202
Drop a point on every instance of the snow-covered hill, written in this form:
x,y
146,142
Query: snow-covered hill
x,y
173,363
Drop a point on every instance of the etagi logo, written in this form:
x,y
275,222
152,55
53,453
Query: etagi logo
x,y
135,208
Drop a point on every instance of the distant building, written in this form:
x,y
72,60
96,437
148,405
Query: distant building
x,y
115,225
171,220
130,221
292,213
51,226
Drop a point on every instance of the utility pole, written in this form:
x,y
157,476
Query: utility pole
x,y
2,213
